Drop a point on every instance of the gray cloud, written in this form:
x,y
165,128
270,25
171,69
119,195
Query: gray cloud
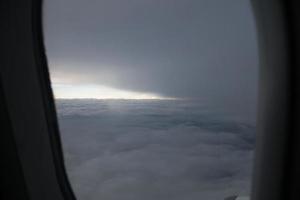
x,y
196,49
125,150
201,49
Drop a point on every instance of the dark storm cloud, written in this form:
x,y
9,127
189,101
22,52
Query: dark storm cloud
x,y
191,48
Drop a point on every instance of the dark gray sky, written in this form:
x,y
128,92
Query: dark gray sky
x,y
174,48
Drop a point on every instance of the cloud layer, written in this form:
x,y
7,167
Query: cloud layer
x,y
132,150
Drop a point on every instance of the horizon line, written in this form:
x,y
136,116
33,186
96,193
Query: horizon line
x,y
92,98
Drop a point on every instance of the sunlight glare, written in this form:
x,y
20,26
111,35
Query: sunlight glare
x,y
76,91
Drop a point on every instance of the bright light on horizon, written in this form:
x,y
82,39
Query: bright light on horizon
x,y
89,91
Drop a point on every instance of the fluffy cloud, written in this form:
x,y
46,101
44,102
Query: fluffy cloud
x,y
132,150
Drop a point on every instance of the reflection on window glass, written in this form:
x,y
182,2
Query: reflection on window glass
x,y
156,99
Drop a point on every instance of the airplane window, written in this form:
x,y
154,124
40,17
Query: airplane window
x,y
156,99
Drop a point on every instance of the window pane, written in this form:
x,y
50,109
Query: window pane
x,y
156,99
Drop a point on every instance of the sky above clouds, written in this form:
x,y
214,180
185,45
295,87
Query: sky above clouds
x,y
203,49
199,56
